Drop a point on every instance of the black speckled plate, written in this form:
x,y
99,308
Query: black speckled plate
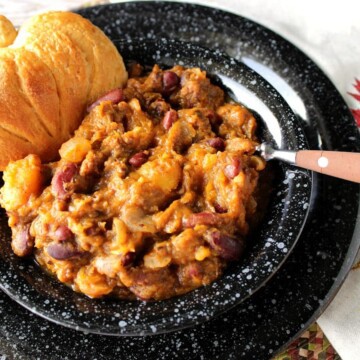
x,y
300,290
267,250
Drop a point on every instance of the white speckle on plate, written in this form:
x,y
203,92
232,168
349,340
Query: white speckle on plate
x,y
153,328
291,176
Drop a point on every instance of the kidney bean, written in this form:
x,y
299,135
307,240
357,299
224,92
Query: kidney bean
x,y
22,242
228,247
202,218
219,209
233,169
62,250
128,259
170,81
63,233
115,96
217,143
169,118
62,176
138,159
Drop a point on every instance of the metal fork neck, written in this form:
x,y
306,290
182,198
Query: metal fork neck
x,y
284,155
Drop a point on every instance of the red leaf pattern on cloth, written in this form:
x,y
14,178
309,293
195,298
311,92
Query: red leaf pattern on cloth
x,y
356,114
357,85
356,96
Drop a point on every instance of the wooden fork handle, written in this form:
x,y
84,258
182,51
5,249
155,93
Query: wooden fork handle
x,y
344,165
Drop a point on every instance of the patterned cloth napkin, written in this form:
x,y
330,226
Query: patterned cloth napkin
x,y
328,32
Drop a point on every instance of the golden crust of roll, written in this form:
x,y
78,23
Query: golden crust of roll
x,y
58,64
7,32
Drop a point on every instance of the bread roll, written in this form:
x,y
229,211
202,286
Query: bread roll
x,y
58,64
7,32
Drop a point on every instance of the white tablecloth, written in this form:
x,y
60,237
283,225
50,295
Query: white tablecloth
x,y
328,32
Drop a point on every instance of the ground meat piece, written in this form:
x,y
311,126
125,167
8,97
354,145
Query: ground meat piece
x,y
237,121
158,109
149,284
197,91
22,242
153,82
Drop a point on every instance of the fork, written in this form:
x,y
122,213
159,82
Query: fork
x,y
343,165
